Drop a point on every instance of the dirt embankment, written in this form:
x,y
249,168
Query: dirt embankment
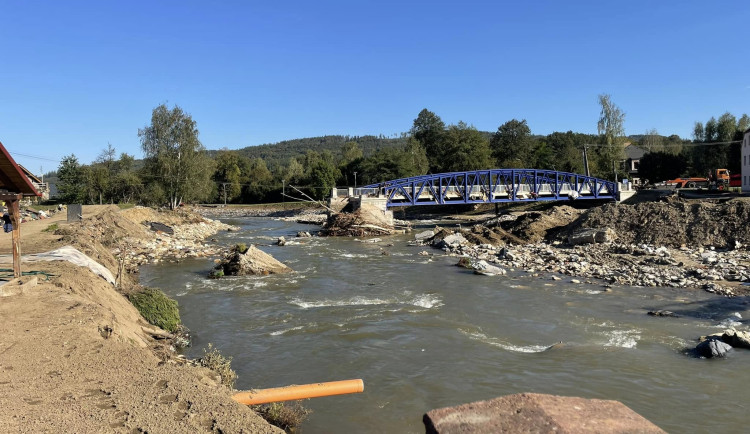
x,y
674,223
76,356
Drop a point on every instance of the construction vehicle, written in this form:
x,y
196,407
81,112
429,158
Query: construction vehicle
x,y
718,179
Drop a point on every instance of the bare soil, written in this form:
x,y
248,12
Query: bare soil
x,y
76,356
674,222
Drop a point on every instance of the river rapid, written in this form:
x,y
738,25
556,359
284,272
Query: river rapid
x,y
425,334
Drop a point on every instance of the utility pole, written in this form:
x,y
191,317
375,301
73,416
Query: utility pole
x,y
283,192
224,184
355,180
586,160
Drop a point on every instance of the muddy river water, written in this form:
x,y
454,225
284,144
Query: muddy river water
x,y
425,334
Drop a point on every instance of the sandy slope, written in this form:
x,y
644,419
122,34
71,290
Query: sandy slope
x,y
74,358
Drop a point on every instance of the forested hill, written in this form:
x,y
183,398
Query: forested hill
x,y
279,153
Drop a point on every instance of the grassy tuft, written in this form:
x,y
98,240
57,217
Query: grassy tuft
x,y
283,415
215,361
51,228
241,248
157,308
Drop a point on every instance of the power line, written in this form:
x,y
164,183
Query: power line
x,y
674,145
34,156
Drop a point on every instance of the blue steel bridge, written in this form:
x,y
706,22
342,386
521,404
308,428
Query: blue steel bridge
x,y
490,186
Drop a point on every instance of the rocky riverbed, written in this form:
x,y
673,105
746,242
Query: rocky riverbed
x,y
561,244
715,271
304,214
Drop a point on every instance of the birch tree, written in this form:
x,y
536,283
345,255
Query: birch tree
x,y
175,158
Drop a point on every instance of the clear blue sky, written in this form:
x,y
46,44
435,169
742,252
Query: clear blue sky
x,y
75,76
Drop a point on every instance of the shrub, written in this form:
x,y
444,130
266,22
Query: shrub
x,y
216,273
283,415
240,248
156,308
215,361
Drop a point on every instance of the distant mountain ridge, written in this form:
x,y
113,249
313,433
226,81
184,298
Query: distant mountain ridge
x,y
279,153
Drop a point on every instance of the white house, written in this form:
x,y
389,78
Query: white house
x,y
746,162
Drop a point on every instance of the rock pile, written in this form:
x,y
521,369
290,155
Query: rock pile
x,y
365,221
187,241
614,263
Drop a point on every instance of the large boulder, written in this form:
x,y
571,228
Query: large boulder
x,y
536,413
737,339
453,240
713,347
424,235
253,261
486,269
592,236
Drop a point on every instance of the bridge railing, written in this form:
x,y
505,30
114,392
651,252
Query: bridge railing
x,y
492,186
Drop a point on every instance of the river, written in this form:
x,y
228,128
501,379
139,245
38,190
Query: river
x,y
425,334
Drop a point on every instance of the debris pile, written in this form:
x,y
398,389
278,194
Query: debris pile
x,y
366,221
133,236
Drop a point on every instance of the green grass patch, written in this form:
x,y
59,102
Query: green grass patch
x,y
284,415
156,308
51,228
125,205
240,248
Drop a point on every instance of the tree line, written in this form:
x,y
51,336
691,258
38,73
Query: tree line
x,y
716,145
176,167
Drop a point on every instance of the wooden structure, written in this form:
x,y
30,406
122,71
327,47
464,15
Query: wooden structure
x,y
14,185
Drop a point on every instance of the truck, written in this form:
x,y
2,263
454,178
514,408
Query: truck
x,y
718,179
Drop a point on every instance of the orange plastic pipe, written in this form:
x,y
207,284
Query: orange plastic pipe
x,y
303,391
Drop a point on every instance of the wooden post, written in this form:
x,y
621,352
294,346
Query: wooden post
x,y
14,212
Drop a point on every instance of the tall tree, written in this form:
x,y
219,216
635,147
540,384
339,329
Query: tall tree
x,y
652,141
259,180
711,132
322,179
698,132
512,144
725,127
428,129
568,150
416,158
175,158
611,128
227,175
70,184
464,148
294,172
350,151
742,125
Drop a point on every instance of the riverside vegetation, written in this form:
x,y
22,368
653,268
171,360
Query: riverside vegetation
x,y
177,168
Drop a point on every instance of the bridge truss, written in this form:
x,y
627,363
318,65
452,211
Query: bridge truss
x,y
491,186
